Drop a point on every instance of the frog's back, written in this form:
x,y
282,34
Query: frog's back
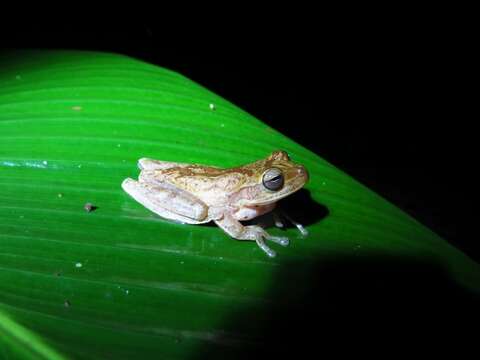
x,y
209,183
152,164
199,178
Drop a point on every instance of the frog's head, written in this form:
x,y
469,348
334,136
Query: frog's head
x,y
272,179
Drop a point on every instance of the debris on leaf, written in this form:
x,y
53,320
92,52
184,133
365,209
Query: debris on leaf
x,y
89,207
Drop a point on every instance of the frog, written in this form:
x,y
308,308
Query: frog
x,y
197,194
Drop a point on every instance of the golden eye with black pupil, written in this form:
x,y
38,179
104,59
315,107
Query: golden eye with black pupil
x,y
273,179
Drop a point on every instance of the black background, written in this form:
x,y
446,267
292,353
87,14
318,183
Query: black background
x,y
389,99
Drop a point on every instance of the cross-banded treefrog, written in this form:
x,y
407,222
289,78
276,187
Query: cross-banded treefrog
x,y
196,194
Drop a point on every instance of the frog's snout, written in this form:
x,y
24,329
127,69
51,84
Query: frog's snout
x,y
302,171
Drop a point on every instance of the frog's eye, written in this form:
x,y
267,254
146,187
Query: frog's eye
x,y
273,179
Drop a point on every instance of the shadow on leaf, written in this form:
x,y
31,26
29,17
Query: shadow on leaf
x,y
352,305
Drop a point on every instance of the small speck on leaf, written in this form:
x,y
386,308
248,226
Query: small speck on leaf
x,y
89,207
77,108
60,195
212,107
78,265
67,303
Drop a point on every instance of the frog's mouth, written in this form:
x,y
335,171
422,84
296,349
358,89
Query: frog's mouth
x,y
279,195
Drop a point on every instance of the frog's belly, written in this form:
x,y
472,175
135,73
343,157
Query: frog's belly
x,y
248,213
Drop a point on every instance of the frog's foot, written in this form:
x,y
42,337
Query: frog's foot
x,y
277,220
261,244
252,232
299,226
282,240
257,233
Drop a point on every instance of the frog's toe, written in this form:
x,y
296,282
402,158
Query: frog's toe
x,y
279,240
278,222
302,229
265,248
270,252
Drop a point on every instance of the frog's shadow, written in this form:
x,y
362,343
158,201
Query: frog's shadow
x,y
302,208
299,207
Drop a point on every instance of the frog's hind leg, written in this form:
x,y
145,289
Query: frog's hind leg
x,y
171,204
152,164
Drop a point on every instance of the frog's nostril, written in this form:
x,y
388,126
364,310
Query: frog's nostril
x,y
302,171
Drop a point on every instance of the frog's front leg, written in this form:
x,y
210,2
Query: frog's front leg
x,y
277,214
252,232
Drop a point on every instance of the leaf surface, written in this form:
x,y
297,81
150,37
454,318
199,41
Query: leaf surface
x,y
119,282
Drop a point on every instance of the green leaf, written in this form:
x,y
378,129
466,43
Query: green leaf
x,y
16,342
119,282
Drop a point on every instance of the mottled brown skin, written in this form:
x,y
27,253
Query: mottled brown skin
x,y
195,193
239,186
